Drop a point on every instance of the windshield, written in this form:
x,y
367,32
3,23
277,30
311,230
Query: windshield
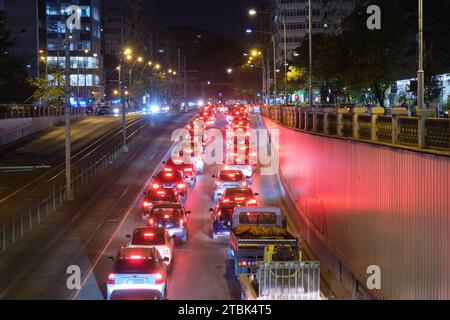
x,y
148,238
231,176
138,266
166,213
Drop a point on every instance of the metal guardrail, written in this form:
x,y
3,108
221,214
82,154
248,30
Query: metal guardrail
x,y
378,128
21,214
31,111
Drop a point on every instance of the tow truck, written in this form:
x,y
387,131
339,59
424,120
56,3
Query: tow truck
x,y
252,230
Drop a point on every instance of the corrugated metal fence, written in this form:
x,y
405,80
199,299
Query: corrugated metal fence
x,y
374,205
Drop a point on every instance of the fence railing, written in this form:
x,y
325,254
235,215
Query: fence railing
x,y
24,213
30,111
422,132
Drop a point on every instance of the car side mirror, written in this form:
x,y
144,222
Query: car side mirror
x,y
166,259
188,212
164,162
145,193
111,259
256,194
211,210
213,176
128,236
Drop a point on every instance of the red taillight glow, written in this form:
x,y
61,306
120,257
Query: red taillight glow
x,y
112,279
226,200
169,175
239,199
150,221
244,184
168,169
155,186
181,222
159,279
218,183
252,201
136,257
147,204
161,193
149,235
181,186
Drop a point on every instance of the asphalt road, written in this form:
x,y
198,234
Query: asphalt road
x,y
99,227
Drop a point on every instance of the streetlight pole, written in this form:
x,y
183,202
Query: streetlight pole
x,y
67,115
421,72
274,70
311,102
124,116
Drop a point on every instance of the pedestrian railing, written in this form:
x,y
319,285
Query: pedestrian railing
x,y
31,111
396,129
22,214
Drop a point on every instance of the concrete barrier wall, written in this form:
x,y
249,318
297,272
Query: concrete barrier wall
x,y
366,205
14,129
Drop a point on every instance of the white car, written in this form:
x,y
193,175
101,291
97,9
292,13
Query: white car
x,y
137,269
228,179
152,237
247,170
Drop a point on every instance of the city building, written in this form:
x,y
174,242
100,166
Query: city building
x,y
127,24
86,66
326,18
26,23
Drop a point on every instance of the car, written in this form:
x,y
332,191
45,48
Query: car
x,y
221,219
240,196
154,237
228,179
192,152
172,217
187,168
137,269
105,111
158,196
169,178
137,295
246,169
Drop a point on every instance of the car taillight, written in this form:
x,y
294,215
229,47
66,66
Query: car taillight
x,y
226,200
155,186
218,183
252,201
112,279
150,221
159,278
181,222
244,184
181,186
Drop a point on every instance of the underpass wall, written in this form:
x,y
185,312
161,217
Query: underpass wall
x,y
15,129
364,205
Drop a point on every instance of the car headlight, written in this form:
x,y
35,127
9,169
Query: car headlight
x,y
155,109
116,110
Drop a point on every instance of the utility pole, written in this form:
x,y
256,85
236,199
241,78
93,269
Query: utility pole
x,y
421,72
285,63
179,74
185,80
67,115
122,102
274,70
311,102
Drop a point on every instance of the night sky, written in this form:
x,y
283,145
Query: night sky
x,y
226,17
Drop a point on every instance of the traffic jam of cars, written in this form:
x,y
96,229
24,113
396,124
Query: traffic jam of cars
x,y
143,264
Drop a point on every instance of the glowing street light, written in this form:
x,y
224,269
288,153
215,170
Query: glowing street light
x,y
158,66
229,71
252,12
249,31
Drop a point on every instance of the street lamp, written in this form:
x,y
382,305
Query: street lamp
x,y
126,53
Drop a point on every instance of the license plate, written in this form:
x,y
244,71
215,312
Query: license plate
x,y
136,281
